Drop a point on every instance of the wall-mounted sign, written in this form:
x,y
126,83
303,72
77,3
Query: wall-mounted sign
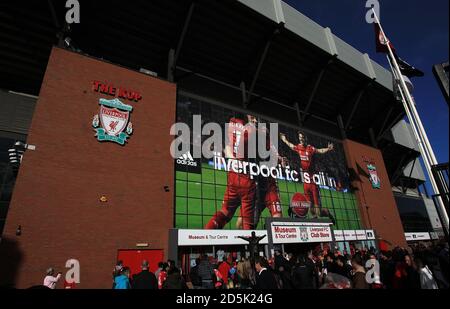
x,y
338,235
361,235
370,234
216,237
187,163
374,179
282,234
112,123
300,205
117,92
350,235
417,236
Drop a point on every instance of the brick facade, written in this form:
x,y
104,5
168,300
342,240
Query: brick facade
x,y
377,206
57,195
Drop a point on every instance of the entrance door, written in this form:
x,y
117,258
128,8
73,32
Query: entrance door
x,y
133,259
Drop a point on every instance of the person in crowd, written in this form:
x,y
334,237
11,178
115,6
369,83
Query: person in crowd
x,y
399,276
171,263
265,279
311,263
342,267
387,267
329,264
431,259
292,260
122,281
174,280
246,278
145,280
335,281
303,275
116,271
218,278
233,276
425,275
412,275
285,277
50,279
359,273
321,265
280,260
160,267
206,273
162,276
224,269
443,257
193,275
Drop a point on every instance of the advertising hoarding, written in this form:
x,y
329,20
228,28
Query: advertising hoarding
x,y
309,179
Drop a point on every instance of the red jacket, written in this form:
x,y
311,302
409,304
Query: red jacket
x,y
224,269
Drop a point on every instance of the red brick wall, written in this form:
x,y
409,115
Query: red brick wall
x,y
381,213
56,198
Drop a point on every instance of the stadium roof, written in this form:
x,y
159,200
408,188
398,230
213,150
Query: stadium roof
x,y
263,55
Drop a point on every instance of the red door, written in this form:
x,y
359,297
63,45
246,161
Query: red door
x,y
133,259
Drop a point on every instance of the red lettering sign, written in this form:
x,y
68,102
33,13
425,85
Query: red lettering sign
x,y
118,92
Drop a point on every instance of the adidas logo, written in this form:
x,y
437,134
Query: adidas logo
x,y
187,159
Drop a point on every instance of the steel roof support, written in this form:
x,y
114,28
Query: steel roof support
x,y
312,95
190,72
341,126
412,168
386,118
244,93
53,12
383,132
261,63
400,167
175,54
356,104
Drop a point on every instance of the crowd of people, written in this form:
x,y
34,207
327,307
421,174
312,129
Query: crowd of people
x,y
417,267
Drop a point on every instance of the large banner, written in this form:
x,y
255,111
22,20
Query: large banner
x,y
302,175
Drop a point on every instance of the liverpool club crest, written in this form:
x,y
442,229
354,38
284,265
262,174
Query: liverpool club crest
x,y
304,234
112,123
374,179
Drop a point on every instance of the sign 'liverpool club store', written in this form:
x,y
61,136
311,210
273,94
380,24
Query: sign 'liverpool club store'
x,y
300,233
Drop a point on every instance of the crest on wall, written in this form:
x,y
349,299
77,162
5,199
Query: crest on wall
x,y
112,123
374,179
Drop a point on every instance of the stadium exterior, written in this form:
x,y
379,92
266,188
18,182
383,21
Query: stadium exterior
x,y
82,193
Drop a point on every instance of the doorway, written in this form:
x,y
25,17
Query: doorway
x,y
133,259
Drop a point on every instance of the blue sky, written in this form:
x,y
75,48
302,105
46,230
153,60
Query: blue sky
x,y
419,31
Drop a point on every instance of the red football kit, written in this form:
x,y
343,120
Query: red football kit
x,y
306,154
241,189
268,191
269,197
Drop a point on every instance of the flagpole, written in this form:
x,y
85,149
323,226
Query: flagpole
x,y
440,214
413,126
409,116
409,105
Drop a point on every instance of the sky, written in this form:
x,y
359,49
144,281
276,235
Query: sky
x,y
419,31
